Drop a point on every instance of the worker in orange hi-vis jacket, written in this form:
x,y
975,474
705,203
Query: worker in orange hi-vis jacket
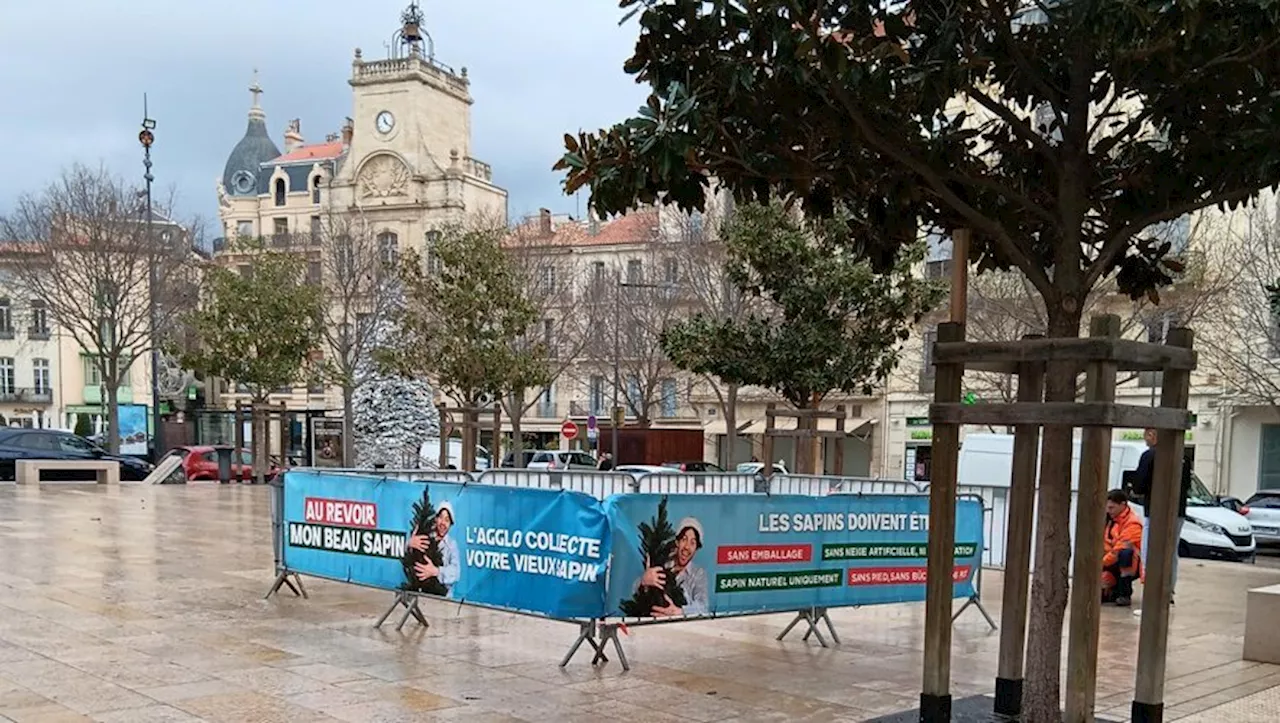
x,y
1122,550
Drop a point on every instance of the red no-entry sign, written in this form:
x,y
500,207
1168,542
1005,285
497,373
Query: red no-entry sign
x,y
569,429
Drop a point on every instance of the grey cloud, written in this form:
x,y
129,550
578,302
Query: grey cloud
x,y
538,69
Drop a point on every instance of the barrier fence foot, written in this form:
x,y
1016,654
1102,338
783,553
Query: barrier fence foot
x,y
586,634
974,602
610,632
823,614
1008,697
410,604
294,585
811,617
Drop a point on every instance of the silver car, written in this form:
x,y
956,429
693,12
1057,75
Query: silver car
x,y
1263,511
562,461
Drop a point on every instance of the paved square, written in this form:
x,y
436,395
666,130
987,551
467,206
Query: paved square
x,y
138,604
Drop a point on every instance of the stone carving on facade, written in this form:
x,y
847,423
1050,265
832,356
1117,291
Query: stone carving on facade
x,y
383,176
223,200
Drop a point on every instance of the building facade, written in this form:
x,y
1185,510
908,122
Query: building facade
x,y
401,166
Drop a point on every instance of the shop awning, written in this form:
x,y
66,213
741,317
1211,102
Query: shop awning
x,y
852,426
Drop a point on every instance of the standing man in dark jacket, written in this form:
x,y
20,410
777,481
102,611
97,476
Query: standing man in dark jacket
x,y
1142,488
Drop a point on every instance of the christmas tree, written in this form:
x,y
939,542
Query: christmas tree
x,y
391,415
657,547
424,523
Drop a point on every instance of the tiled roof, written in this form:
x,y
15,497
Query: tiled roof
x,y
633,228
315,151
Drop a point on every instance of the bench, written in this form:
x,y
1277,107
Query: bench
x,y
28,470
1261,634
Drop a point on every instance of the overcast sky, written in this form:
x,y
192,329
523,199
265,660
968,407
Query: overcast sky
x,y
72,76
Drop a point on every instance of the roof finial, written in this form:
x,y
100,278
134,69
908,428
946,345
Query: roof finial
x,y
255,112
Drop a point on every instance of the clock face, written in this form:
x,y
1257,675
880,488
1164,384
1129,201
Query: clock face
x,y
385,122
243,182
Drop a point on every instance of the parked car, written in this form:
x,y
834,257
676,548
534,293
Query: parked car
x,y
1211,530
1263,512
200,464
429,453
779,467
640,470
698,466
509,461
18,443
563,461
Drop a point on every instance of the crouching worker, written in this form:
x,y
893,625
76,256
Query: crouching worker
x,y
1122,550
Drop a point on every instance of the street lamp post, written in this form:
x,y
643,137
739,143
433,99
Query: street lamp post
x,y
146,137
617,350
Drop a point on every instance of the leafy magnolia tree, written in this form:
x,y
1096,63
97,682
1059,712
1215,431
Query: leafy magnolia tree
x,y
1058,132
465,314
82,251
832,324
257,325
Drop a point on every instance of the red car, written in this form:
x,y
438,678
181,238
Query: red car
x,y
200,464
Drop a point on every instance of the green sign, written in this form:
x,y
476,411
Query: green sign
x,y
880,551
760,581
917,421
969,398
1136,436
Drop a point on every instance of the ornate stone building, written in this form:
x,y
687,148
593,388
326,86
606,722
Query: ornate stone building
x,y
401,163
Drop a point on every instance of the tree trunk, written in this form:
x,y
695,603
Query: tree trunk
x,y
261,447
1049,588
348,425
113,414
516,414
730,414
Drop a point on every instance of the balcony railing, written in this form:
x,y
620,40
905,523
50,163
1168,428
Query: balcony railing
x,y
38,333
26,395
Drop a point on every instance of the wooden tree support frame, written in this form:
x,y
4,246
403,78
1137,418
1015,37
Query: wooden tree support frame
x,y
260,417
806,429
1101,356
470,425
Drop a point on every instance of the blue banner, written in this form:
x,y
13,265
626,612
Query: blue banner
x,y
692,555
533,550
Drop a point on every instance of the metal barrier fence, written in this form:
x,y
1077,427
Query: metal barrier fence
x,y
603,484
817,486
597,484
598,633
995,500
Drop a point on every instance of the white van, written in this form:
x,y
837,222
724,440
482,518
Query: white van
x,y
1211,530
429,454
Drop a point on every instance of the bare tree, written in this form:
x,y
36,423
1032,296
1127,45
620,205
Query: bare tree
x,y
1241,339
709,292
550,281
83,250
631,305
356,270
1004,306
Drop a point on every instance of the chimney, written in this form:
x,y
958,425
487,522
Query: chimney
x,y
593,223
348,130
293,135
544,221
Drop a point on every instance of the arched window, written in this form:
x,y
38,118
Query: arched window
x,y
315,188
388,247
280,191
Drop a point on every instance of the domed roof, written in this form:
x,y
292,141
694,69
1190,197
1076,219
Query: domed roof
x,y
240,175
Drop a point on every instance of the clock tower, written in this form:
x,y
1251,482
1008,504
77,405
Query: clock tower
x,y
409,166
